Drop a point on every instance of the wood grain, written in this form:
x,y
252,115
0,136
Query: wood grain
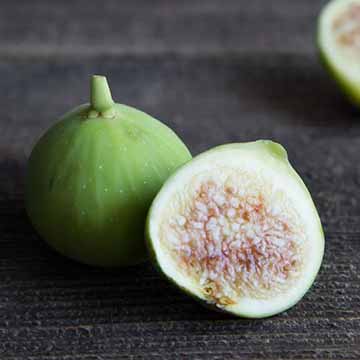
x,y
142,27
52,308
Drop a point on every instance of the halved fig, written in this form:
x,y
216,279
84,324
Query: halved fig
x,y
339,43
236,228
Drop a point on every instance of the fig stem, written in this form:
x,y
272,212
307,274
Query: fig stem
x,y
100,94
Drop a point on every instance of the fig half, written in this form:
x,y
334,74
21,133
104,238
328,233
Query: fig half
x,y
237,228
339,44
93,175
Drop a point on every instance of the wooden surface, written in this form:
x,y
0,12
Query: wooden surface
x,y
216,71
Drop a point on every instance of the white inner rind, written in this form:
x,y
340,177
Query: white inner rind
x,y
177,218
339,37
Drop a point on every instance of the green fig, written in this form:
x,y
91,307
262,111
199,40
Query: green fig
x,y
93,175
339,44
237,229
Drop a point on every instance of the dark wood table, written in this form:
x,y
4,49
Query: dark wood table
x,y
217,72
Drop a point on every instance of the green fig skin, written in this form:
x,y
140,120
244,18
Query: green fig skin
x,y
92,177
349,90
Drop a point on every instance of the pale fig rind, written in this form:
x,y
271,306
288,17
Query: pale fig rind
x,y
92,177
339,48
267,161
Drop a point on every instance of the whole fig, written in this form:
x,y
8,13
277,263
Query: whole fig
x,y
93,175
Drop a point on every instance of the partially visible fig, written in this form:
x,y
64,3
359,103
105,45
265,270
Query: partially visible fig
x,y
339,44
92,177
236,228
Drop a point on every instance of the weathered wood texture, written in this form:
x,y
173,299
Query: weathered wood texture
x,y
52,308
157,26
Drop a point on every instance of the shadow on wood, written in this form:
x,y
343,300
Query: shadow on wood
x,y
296,87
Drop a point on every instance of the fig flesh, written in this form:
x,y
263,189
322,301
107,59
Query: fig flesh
x,y
339,44
93,175
237,228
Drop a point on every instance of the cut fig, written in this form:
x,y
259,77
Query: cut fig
x,y
237,228
339,43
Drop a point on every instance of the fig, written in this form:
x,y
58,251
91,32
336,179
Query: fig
x,y
237,229
93,175
339,44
